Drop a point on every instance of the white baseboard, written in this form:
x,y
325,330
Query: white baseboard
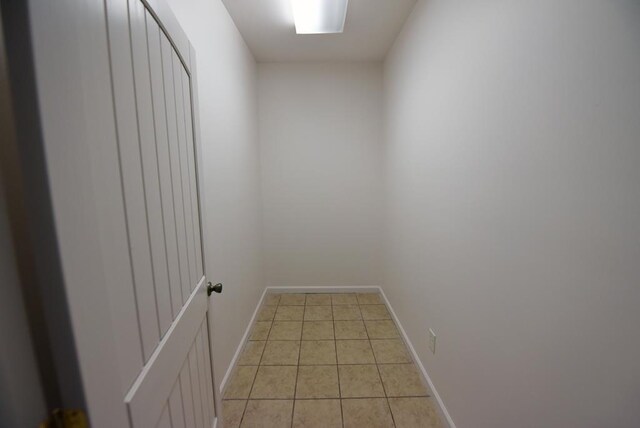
x,y
325,289
245,337
442,410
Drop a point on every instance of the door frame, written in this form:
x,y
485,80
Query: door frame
x,y
60,50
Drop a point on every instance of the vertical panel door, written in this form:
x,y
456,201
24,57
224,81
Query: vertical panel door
x,y
116,91
170,375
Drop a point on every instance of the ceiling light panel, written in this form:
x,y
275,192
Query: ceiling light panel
x,y
319,16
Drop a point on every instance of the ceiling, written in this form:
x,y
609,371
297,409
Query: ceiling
x,y
369,31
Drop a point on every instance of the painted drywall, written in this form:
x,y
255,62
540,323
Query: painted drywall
x,y
513,180
21,398
320,143
227,95
22,401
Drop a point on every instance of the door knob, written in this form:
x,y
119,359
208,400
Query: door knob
x,y
213,288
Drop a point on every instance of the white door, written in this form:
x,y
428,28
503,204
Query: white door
x,y
116,86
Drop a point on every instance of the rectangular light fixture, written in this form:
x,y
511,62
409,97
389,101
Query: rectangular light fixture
x,y
319,16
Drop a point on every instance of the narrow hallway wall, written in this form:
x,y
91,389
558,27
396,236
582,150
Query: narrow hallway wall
x,y
320,142
227,77
21,397
513,163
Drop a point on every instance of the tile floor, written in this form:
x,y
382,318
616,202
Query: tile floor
x,y
326,360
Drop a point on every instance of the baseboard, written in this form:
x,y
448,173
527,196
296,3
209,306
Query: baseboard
x,y
232,364
325,289
442,410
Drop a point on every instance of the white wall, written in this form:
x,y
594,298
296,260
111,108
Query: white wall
x,y
320,141
227,92
513,162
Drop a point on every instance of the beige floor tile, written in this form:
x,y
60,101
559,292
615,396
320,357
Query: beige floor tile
x,y
390,351
286,330
414,413
318,299
266,313
346,313
251,354
317,352
317,414
354,352
344,299
275,382
268,414
289,313
281,353
369,298
402,380
317,330
317,382
381,329
241,381
232,411
272,299
360,381
292,299
369,413
375,312
318,313
350,330
260,330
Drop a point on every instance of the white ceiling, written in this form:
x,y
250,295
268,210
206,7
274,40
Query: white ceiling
x,y
369,31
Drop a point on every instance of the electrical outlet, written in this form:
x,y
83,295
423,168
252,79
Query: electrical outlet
x,y
432,341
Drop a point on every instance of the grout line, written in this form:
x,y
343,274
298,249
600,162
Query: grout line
x,y
326,364
386,396
339,391
256,376
366,331
325,398
335,346
295,386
